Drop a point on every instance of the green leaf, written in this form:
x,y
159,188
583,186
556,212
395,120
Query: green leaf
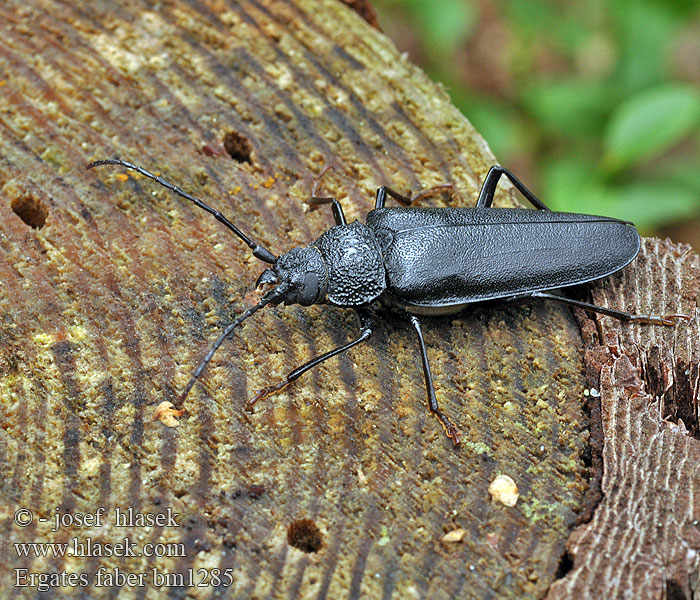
x,y
443,25
651,204
649,123
497,123
644,30
565,180
686,174
572,187
571,107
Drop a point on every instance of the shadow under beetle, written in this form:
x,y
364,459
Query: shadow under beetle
x,y
433,261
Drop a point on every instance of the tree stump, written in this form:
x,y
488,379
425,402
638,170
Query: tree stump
x,y
342,486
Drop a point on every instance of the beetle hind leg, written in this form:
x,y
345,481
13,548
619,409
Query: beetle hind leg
x,y
491,182
669,320
451,430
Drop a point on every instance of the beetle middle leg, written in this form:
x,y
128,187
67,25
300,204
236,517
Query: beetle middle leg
x,y
450,428
366,331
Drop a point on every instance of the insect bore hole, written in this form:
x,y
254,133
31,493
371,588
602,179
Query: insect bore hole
x,y
238,147
31,210
566,563
305,535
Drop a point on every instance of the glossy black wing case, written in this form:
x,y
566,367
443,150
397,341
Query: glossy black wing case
x,y
437,258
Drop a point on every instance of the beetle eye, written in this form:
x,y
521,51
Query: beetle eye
x,y
309,293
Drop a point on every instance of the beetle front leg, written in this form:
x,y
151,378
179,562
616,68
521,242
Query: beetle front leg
x,y
338,214
384,191
366,330
315,200
450,428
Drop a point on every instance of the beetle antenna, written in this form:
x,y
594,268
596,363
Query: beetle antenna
x,y
275,295
258,251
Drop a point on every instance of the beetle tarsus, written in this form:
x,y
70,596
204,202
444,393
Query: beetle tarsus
x,y
432,191
317,180
451,430
674,318
669,320
265,392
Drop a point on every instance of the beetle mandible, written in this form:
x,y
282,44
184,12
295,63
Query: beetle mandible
x,y
433,261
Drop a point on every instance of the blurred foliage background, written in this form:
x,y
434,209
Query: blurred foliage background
x,y
595,105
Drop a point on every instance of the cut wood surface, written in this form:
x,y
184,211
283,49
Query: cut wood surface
x,y
343,485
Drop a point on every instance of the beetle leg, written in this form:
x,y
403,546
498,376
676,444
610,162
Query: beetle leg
x,y
338,214
671,319
366,330
318,200
383,192
450,428
317,181
491,182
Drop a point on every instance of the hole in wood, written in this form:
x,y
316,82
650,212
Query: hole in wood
x,y
679,400
238,147
31,210
566,563
305,535
674,591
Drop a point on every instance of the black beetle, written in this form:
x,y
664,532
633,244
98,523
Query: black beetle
x,y
434,261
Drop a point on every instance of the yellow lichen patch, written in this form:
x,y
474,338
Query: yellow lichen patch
x,y
44,340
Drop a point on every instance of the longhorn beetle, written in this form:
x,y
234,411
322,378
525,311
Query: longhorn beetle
x,y
433,261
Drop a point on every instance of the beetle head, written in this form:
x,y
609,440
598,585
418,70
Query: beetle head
x,y
304,272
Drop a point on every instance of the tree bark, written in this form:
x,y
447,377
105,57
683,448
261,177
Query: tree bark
x,y
644,534
343,485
